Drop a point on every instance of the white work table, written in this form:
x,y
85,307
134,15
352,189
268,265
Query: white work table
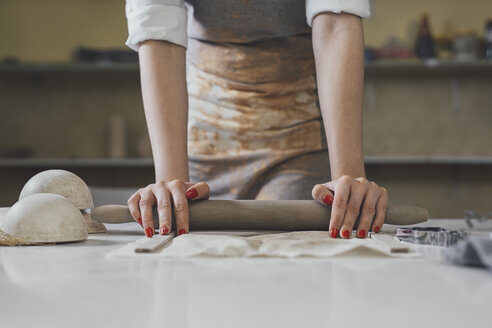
x,y
73,285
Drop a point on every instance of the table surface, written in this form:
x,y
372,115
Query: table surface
x,y
73,285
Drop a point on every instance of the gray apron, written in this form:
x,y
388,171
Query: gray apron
x,y
255,129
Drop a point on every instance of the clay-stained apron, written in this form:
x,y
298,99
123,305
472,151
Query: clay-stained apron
x,y
253,107
253,98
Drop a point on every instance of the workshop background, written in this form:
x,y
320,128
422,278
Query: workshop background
x,y
70,99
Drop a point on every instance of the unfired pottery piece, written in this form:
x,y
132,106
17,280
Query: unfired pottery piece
x,y
45,218
93,226
66,184
59,182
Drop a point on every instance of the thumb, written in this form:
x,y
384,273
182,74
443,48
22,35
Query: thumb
x,y
322,194
199,190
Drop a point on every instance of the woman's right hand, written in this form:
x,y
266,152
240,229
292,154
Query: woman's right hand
x,y
169,197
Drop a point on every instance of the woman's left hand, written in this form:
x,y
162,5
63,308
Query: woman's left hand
x,y
350,197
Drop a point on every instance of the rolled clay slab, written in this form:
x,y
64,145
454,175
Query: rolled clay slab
x,y
285,215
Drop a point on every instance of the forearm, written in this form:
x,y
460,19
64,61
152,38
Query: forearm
x,y
165,98
338,44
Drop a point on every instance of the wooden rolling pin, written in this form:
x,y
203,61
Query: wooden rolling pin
x,y
282,215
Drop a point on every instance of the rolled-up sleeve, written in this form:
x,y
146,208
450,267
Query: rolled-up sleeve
x,y
156,20
360,8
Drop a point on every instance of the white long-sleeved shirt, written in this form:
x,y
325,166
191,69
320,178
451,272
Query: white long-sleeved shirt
x,y
168,19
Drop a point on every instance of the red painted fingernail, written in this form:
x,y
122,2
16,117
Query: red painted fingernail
x,y
192,193
181,232
362,234
149,232
376,229
346,234
164,230
328,200
334,233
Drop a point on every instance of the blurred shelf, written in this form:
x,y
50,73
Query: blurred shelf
x,y
418,67
428,160
137,162
86,162
68,67
375,67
